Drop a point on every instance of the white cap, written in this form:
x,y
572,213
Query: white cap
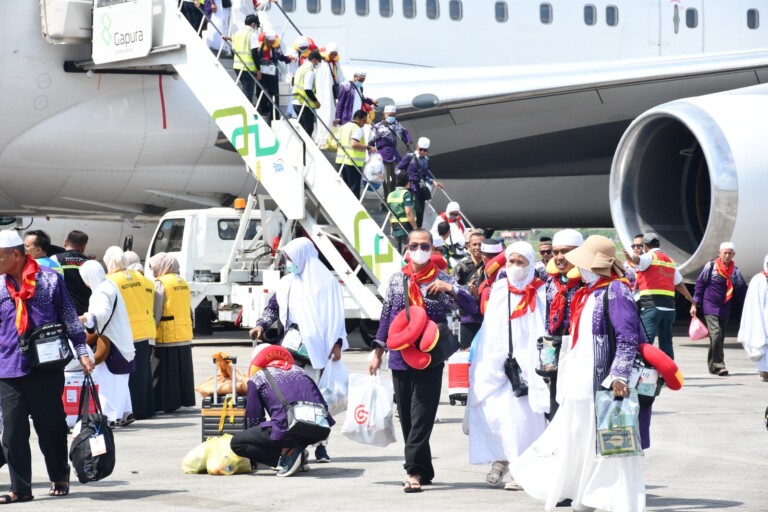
x,y
727,245
10,238
390,109
332,47
302,42
491,246
423,143
270,35
360,73
567,237
438,242
453,206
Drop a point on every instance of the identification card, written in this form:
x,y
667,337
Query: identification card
x,y
268,69
292,340
98,445
47,352
304,413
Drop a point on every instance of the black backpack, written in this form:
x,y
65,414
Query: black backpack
x,y
89,467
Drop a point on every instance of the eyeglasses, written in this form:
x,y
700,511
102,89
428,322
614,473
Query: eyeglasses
x,y
454,214
545,251
424,150
637,246
416,247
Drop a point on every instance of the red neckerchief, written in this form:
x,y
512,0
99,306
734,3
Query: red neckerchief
x,y
726,272
26,292
765,274
580,299
557,308
529,297
458,221
426,275
484,290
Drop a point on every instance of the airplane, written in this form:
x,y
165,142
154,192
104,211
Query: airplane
x,y
526,103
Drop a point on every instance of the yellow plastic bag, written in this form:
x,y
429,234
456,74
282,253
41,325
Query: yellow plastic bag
x,y
197,459
223,461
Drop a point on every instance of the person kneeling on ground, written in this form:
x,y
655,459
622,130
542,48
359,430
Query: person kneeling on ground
x,y
268,441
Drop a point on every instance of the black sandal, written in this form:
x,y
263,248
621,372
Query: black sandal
x,y
6,499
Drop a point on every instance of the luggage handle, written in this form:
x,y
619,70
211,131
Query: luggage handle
x,y
233,360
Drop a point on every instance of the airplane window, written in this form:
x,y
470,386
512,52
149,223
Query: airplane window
x,y
691,18
385,8
433,9
753,18
545,13
361,7
612,15
590,14
409,8
337,6
289,5
313,6
455,10
502,12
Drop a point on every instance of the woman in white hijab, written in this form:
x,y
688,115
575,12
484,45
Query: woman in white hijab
x,y
753,333
502,426
310,297
133,261
107,315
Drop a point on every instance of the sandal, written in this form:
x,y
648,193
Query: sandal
x,y
411,487
496,474
513,486
5,499
59,489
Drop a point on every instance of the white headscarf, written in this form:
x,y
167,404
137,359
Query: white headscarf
x,y
315,302
114,259
104,298
133,261
525,250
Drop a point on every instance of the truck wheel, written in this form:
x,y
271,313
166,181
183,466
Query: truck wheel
x,y
368,330
204,318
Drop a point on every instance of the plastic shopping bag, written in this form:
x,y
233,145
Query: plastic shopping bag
x,y
334,384
370,416
222,460
618,428
374,169
197,459
697,330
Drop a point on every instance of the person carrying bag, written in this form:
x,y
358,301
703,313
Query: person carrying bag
x,y
93,447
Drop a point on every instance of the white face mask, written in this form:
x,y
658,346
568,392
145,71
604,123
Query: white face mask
x,y
419,257
588,276
517,274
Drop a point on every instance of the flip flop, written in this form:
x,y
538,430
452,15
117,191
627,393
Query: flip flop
x,y
411,487
7,499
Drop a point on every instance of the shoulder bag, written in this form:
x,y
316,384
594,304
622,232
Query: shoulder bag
x,y
47,346
511,366
307,421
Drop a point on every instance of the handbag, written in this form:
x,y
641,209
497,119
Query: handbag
x,y
616,421
47,346
292,340
549,353
306,420
511,366
93,448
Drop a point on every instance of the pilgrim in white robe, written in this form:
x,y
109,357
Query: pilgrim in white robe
x,y
753,331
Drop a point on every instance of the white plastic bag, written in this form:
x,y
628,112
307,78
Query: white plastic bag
x,y
334,384
374,169
370,418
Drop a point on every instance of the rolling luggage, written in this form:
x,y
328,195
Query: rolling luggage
x,y
458,377
223,414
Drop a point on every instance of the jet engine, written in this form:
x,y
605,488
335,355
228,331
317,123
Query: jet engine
x,y
695,172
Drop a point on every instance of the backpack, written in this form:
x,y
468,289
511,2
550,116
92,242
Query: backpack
x,y
93,449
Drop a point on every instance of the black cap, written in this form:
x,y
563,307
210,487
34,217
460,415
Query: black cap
x,y
650,238
251,19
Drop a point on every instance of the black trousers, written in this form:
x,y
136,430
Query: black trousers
x,y
248,83
264,106
352,178
140,382
553,405
389,177
419,202
37,394
418,395
468,332
194,16
306,118
255,444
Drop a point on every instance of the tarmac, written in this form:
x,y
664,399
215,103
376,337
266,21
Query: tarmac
x,y
709,452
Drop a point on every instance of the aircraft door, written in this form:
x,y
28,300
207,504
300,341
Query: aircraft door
x,y
682,27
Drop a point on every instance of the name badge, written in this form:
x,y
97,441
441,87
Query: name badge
x,y
268,69
98,445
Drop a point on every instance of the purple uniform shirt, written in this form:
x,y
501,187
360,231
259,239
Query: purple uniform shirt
x,y
711,287
384,137
437,309
262,402
417,169
50,304
346,102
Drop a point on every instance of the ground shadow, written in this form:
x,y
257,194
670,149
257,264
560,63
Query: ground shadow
x,y
449,420
383,458
680,504
126,494
718,385
149,425
328,472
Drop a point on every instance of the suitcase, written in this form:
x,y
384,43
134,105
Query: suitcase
x,y
223,414
73,385
458,377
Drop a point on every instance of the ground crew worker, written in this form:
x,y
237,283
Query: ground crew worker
x,y
403,220
351,153
71,260
657,279
305,92
245,42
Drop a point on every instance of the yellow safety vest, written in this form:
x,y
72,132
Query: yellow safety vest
x,y
132,286
299,92
176,323
395,200
241,43
345,137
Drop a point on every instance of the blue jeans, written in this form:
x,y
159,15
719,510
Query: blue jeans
x,y
658,322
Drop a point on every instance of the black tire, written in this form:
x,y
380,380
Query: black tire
x,y
204,318
368,330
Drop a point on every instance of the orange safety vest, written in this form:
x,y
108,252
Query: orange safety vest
x,y
657,282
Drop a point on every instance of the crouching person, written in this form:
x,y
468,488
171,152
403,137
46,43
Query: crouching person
x,y
268,441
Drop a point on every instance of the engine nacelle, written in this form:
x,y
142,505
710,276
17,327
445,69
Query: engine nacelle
x,y
695,171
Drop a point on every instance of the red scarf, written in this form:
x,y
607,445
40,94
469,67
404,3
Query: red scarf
x,y
580,300
26,292
453,220
529,297
557,308
726,272
426,275
484,290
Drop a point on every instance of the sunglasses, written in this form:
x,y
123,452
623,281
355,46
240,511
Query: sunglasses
x,y
637,246
416,247
424,150
549,251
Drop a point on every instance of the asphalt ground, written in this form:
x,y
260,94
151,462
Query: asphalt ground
x,y
709,452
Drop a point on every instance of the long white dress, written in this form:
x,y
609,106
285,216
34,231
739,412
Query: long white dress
x,y
502,426
220,19
753,331
563,463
